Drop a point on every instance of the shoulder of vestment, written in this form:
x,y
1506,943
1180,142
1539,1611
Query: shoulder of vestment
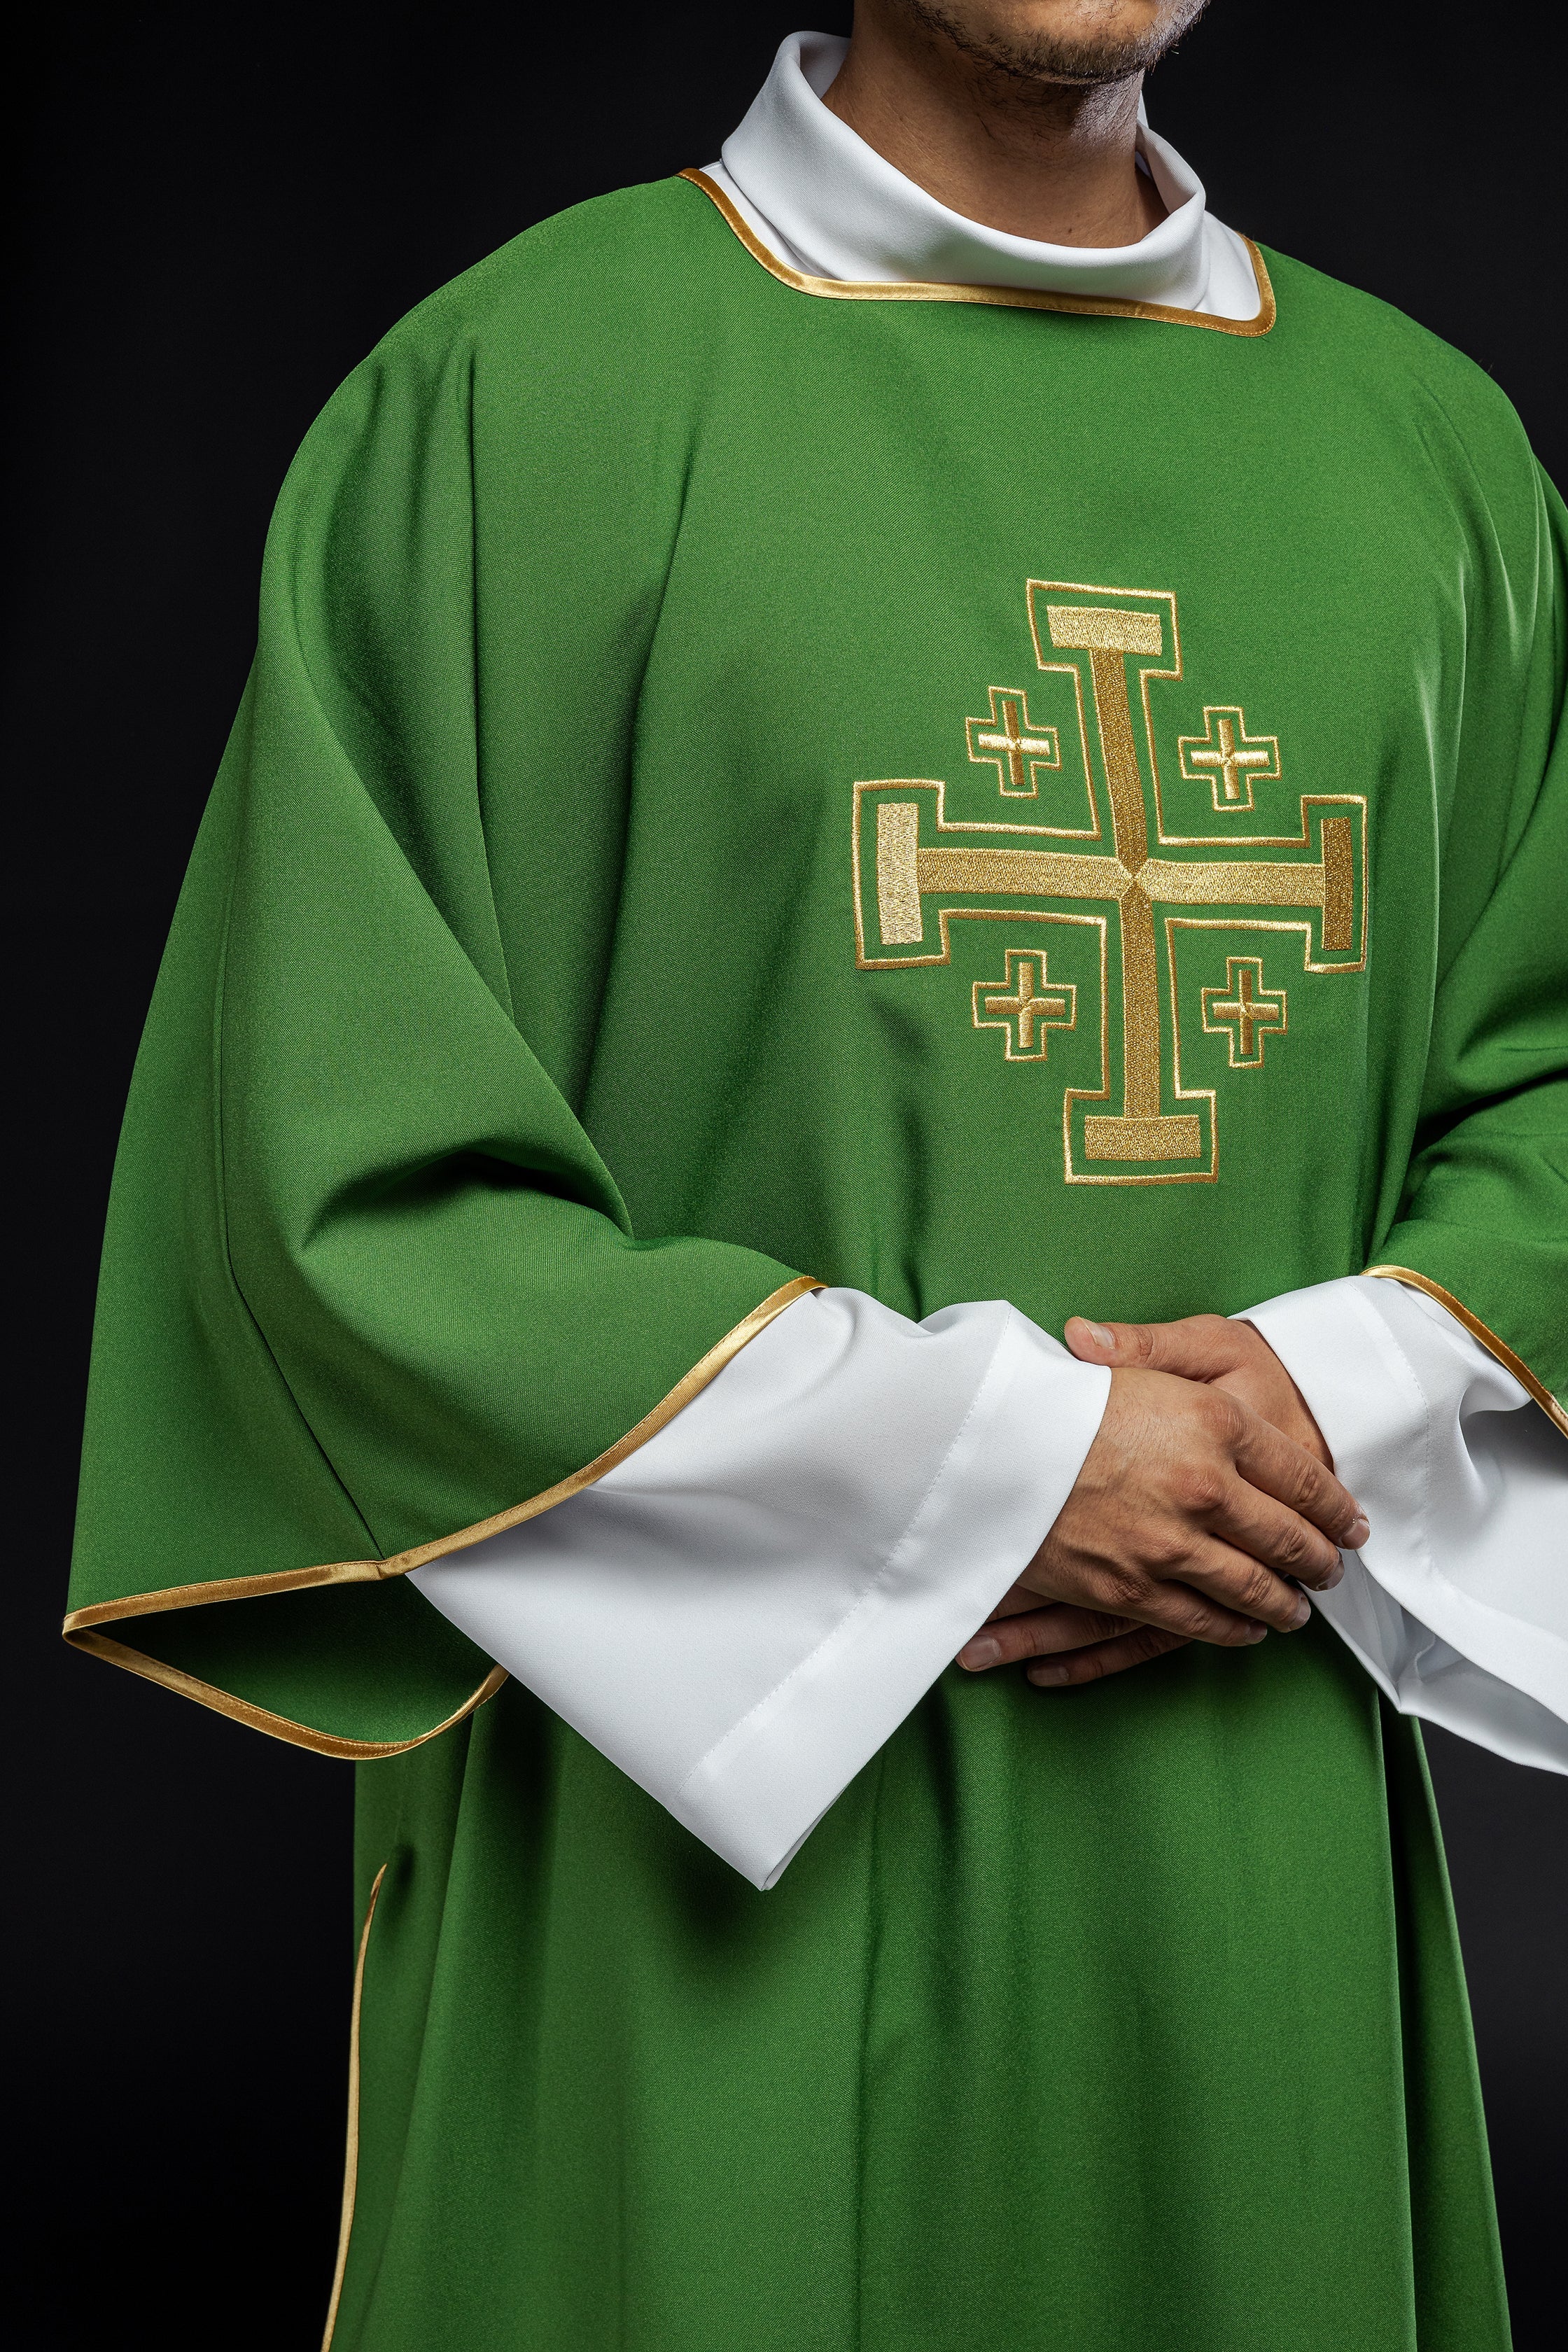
x,y
1404,366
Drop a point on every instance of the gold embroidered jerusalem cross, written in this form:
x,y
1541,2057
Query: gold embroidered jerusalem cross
x,y
918,872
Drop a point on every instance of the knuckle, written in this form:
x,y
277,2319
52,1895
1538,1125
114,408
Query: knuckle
x,y
1293,1545
1141,1341
1314,1487
1122,1589
1258,1591
1203,1488
1181,1610
1163,1552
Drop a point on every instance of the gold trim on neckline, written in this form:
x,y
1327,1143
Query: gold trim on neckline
x,y
1007,298
1478,1330
80,1627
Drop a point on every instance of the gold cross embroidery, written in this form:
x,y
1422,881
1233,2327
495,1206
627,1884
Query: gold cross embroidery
x,y
1013,744
1244,1010
908,858
1028,1011
1230,758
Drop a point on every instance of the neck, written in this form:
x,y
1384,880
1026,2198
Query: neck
x,y
1053,162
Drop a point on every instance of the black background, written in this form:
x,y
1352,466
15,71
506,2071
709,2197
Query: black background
x,y
221,210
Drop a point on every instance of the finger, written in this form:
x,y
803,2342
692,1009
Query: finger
x,y
1171,1606
1040,1634
1197,1348
1276,1537
1278,1402
1016,1597
1105,1658
1243,1585
1280,1467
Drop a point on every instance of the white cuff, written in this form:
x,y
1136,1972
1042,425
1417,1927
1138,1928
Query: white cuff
x,y
740,1613
1458,1602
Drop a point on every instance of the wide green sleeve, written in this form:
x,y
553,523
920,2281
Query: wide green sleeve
x,y
1483,1222
368,1285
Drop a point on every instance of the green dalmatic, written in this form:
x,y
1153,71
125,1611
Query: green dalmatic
x,y
963,796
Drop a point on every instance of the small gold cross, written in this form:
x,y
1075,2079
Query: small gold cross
x,y
1030,1010
1228,759
1012,745
1247,1014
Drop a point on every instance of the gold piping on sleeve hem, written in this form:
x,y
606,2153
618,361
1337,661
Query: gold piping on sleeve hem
x,y
707,1368
1478,1330
1011,298
261,1718
350,2153
78,1626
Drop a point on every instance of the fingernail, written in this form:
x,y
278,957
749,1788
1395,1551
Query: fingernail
x,y
1335,1576
1257,1632
1048,1674
974,1656
1302,1611
1357,1532
1101,1336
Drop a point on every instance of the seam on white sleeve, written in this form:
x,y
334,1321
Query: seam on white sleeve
x,y
868,1590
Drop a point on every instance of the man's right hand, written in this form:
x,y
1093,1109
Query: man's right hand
x,y
1189,1515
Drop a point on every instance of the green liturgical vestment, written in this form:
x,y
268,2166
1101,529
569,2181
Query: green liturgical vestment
x,y
962,796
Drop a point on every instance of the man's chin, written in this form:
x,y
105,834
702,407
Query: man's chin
x,y
1048,59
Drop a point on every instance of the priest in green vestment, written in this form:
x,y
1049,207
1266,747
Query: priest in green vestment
x,y
852,756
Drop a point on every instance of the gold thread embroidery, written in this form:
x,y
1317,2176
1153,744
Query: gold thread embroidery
x,y
1143,1138
1030,1010
350,2149
898,871
1102,629
1227,757
1488,1338
912,868
79,1627
1010,298
1338,883
1243,1012
1013,744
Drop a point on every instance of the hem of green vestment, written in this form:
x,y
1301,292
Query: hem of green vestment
x,y
81,1626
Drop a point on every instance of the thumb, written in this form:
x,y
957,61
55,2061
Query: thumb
x,y
1198,1347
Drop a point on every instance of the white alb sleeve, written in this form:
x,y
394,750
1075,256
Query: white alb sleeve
x,y
743,1611
1458,1602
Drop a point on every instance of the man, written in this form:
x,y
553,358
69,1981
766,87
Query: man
x,y
905,713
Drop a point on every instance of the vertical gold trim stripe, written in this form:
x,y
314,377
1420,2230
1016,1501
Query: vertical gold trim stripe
x,y
79,1628
351,2156
1009,297
1479,1330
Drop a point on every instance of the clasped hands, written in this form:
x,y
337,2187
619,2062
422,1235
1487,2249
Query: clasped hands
x,y
1206,1504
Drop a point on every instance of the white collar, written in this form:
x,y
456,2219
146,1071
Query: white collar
x,y
826,203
